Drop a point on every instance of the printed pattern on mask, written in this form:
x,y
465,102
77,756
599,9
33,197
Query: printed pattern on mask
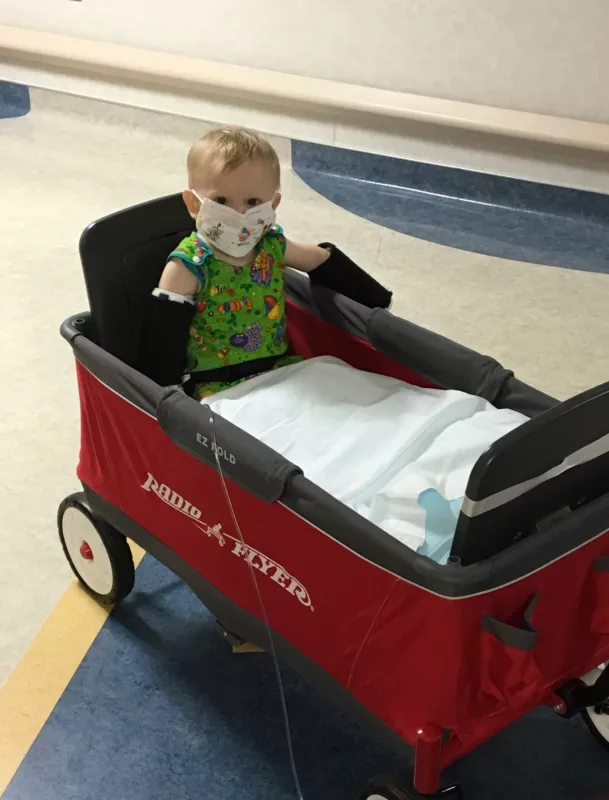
x,y
230,231
240,311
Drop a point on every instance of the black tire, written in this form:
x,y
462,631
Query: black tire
x,y
86,537
598,723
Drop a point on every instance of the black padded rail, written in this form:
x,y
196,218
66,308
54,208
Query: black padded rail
x,y
244,459
443,362
450,365
521,397
549,466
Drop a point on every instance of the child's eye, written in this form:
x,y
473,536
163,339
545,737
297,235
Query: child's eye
x,y
253,201
221,201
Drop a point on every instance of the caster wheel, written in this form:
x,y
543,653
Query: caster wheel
x,y
98,554
387,787
597,718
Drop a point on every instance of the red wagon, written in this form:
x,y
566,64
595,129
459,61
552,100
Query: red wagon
x,y
434,659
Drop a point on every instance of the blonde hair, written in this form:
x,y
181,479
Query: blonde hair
x,y
226,149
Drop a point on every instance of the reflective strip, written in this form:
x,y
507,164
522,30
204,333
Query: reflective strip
x,y
473,508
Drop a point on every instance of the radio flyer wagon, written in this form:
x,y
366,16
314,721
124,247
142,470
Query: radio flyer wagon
x,y
433,659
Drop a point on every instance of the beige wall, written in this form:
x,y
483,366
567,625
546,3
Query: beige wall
x,y
548,56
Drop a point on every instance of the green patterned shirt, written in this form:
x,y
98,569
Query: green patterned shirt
x,y
240,311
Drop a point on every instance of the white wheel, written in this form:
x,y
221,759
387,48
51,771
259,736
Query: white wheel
x,y
377,797
388,787
87,551
597,718
98,554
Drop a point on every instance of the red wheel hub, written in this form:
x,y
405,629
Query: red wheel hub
x,y
86,552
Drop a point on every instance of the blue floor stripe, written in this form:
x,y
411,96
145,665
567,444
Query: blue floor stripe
x,y
14,100
488,214
160,710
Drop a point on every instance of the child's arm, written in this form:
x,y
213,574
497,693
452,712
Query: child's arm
x,y
330,267
305,257
169,314
178,279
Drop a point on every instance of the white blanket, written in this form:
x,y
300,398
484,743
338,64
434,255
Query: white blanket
x,y
397,454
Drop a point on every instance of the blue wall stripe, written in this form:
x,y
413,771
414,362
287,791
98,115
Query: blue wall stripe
x,y
488,214
14,100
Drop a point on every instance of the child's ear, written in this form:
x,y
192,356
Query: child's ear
x,y
276,201
192,202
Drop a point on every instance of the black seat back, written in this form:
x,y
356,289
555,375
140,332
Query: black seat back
x,y
548,467
123,256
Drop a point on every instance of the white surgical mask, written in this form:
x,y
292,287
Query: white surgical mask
x,y
228,230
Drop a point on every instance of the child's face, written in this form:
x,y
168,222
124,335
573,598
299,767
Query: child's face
x,y
249,185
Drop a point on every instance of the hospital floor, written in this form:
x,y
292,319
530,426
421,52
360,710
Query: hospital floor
x,y
150,703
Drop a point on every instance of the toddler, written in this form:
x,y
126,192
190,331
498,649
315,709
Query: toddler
x,y
218,314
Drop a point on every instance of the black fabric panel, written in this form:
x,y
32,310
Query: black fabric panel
x,y
245,460
602,564
244,624
124,380
445,363
453,580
